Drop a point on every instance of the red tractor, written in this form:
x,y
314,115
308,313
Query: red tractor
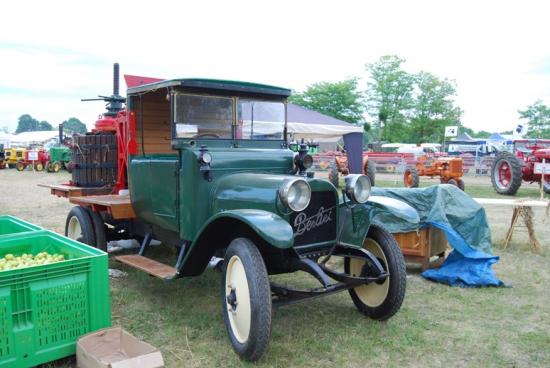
x,y
32,157
510,169
340,165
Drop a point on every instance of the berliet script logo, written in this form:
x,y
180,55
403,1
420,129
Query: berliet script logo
x,y
302,223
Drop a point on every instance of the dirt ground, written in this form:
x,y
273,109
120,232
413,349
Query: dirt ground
x,y
436,326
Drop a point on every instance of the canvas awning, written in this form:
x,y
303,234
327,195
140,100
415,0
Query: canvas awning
x,y
314,126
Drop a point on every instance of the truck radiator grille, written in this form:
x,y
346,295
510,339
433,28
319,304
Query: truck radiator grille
x,y
317,223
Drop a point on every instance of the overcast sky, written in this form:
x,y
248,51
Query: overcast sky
x,y
52,53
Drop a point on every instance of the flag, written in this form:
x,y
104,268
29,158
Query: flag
x,y
451,131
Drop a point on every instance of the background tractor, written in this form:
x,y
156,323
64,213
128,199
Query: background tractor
x,y
340,165
60,158
511,168
42,158
2,157
13,155
448,169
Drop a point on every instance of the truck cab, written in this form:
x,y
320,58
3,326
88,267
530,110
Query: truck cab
x,y
210,172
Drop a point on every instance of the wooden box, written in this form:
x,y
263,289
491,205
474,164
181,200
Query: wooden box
x,y
421,245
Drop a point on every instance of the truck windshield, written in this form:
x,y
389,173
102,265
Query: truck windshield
x,y
261,120
203,116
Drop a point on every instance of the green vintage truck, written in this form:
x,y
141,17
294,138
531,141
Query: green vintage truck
x,y
209,171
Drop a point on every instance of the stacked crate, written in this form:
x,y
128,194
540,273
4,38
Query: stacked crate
x,y
44,309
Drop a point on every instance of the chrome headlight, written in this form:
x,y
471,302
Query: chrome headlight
x,y
295,194
357,187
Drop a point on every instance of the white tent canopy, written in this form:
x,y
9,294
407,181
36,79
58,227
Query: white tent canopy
x,y
301,123
27,138
320,132
5,139
313,126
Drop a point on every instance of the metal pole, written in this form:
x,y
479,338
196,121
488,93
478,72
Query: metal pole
x,y
542,179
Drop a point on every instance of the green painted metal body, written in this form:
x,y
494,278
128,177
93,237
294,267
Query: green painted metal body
x,y
60,153
239,196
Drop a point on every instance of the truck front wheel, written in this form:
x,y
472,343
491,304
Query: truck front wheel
x,y
246,299
380,300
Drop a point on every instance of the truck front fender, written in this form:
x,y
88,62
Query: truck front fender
x,y
355,222
269,226
269,231
396,207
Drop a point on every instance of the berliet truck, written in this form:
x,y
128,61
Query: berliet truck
x,y
207,169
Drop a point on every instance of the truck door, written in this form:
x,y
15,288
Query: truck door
x,y
164,187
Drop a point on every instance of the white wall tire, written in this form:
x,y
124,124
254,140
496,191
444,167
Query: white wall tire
x,y
380,300
79,226
236,288
246,299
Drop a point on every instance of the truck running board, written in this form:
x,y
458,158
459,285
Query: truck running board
x,y
148,265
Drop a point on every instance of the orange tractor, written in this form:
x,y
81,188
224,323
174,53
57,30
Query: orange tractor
x,y
340,165
449,170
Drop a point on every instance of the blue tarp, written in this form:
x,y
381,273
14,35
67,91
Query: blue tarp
x,y
465,225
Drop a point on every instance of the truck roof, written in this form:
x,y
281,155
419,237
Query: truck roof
x,y
224,86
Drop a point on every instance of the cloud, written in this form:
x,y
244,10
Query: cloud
x,y
52,56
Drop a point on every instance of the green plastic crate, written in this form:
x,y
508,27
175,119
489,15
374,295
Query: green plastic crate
x,y
45,309
10,225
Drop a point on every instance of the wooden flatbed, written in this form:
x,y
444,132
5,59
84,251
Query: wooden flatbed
x,y
68,191
99,199
118,206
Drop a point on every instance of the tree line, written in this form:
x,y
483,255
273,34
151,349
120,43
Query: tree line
x,y
26,123
402,106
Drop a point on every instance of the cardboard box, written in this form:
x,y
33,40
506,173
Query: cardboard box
x,y
116,348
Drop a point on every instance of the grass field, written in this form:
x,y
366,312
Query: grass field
x,y
437,325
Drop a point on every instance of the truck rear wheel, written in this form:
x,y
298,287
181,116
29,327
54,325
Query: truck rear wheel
x,y
506,174
79,226
99,230
380,300
246,299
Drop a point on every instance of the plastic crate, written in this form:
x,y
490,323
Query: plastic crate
x,y
45,309
10,225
